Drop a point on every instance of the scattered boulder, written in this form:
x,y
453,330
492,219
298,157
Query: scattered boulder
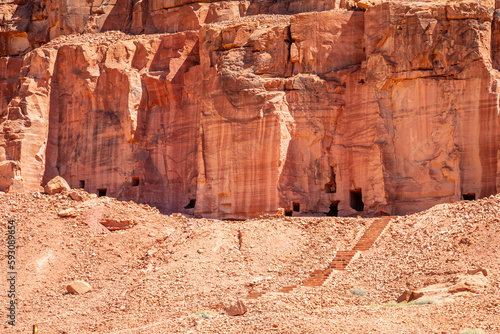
x,y
235,307
71,212
463,285
114,224
470,283
484,271
405,296
365,4
280,212
75,195
56,185
78,287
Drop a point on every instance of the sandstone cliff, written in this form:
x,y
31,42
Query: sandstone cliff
x,y
232,109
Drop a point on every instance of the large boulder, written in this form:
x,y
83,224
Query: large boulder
x,y
56,185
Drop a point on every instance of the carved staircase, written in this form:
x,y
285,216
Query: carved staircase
x,y
342,258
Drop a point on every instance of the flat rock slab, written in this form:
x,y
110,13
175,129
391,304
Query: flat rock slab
x,y
464,285
113,224
79,287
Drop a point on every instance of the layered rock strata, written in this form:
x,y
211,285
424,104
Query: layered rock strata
x,y
231,113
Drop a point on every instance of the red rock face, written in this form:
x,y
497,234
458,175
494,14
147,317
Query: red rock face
x,y
121,124
436,83
384,111
25,25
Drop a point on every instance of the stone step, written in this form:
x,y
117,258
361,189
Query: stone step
x,y
342,259
255,295
318,277
371,235
287,289
344,253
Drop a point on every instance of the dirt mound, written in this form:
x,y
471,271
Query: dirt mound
x,y
160,274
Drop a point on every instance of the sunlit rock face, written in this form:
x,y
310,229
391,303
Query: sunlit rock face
x,y
121,123
233,109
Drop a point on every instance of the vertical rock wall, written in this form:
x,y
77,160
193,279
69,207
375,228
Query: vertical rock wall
x,y
431,66
121,122
245,119
230,113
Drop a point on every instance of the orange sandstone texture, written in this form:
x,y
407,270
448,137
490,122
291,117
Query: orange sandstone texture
x,y
233,109
25,25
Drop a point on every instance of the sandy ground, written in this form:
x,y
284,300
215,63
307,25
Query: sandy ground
x,y
155,276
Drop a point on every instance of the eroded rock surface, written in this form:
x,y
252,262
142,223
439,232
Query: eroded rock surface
x,y
26,24
461,286
231,109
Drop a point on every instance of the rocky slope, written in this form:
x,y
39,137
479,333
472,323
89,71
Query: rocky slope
x,y
158,275
236,108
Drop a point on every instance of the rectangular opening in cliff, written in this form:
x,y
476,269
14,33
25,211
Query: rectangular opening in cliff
x,y
331,186
81,184
102,192
334,209
296,206
357,199
136,181
191,204
288,213
469,196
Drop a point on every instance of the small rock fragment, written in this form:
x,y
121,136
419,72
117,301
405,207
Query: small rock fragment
x,y
365,4
280,212
235,307
79,287
415,295
405,296
113,224
76,196
484,271
71,212
56,185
